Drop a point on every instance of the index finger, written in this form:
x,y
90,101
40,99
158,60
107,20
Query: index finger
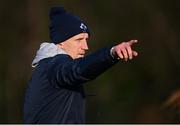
x,y
131,42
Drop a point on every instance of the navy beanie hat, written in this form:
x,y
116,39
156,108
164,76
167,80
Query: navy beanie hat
x,y
64,25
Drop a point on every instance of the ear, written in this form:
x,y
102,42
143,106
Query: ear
x,y
60,45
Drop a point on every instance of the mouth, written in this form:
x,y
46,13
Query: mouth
x,y
83,53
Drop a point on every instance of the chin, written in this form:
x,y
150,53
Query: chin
x,y
80,56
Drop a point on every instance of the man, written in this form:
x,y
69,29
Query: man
x,y
55,92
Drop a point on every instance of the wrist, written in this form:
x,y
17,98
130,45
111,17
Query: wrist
x,y
113,53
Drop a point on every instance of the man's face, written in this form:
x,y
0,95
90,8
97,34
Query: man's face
x,y
76,46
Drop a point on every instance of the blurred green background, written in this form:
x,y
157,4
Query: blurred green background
x,y
129,92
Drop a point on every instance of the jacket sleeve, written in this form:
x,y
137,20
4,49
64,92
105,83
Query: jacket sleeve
x,y
64,71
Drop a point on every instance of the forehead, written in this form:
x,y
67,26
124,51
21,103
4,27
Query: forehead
x,y
81,35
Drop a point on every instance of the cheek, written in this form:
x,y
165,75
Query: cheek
x,y
76,49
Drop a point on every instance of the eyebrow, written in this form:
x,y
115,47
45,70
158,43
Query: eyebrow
x,y
81,38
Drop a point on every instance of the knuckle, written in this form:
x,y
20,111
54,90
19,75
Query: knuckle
x,y
123,43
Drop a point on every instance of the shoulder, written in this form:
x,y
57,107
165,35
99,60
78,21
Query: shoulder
x,y
53,62
58,60
61,58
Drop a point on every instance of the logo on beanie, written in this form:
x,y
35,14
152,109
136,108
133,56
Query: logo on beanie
x,y
83,27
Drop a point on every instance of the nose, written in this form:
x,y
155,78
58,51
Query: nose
x,y
85,46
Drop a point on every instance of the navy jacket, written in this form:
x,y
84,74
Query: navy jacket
x,y
55,92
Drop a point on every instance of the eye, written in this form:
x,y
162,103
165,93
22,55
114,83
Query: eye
x,y
78,41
